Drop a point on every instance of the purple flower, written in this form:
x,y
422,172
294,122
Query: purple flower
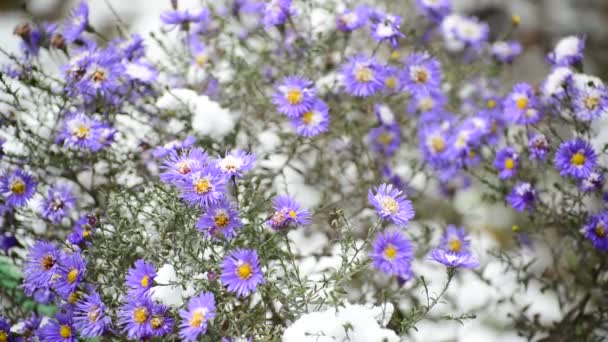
x,y
175,145
522,197
455,240
434,144
80,132
195,319
422,73
427,103
18,187
391,203
596,231
179,165
392,254
82,231
589,97
140,278
393,79
568,51
174,19
29,329
60,329
59,201
385,139
575,158
90,317
135,315
277,12
554,86
435,10
69,274
506,51
203,187
461,32
314,121
236,163
5,330
77,22
219,219
522,106
41,264
7,241
593,182
456,260
387,27
506,162
362,76
294,96
538,147
287,212
241,272
160,322
350,20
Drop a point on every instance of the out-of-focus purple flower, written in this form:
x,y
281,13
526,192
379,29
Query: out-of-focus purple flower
x,y
538,146
287,212
80,132
58,203
596,231
522,197
7,242
392,254
385,139
241,272
463,32
454,249
314,121
177,18
522,106
294,96
350,20
427,103
391,203
82,231
553,88
195,318
28,330
77,22
422,73
220,219
567,51
362,76
506,162
588,95
277,12
456,260
90,316
506,51
174,145
17,187
435,10
236,163
387,27
593,182
575,158
140,278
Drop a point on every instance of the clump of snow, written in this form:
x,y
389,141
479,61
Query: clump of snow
x,y
166,291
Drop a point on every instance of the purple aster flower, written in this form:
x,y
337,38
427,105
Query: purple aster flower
x,y
589,97
455,240
90,317
195,319
135,315
41,264
102,76
456,260
387,27
7,242
80,132
60,329
391,203
422,73
522,197
59,201
596,231
179,165
287,212
140,278
77,22
593,182
461,32
434,144
314,121
18,187
392,254
506,51
241,272
160,322
554,86
568,51
82,231
5,330
69,274
277,12
393,79
28,331
464,141
219,219
294,96
427,103
235,163
203,187
575,158
435,10
385,139
538,146
350,20
362,76
506,162
175,19
522,106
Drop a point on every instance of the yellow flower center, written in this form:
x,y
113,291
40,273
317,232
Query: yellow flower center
x,y
82,131
578,159
294,96
472,154
455,245
509,164
522,103
363,74
72,275
201,59
491,104
47,262
426,104
516,19
244,271
65,331
157,321
391,82
3,336
197,319
395,55
203,186
18,187
73,297
389,204
390,251
140,315
86,233
93,314
293,214
600,230
438,144
421,76
221,219
592,102
145,281
99,75
385,138
307,117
